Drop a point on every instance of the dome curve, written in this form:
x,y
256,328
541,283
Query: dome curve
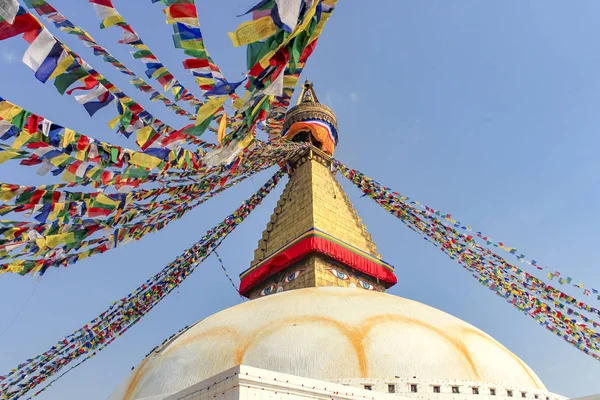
x,y
328,333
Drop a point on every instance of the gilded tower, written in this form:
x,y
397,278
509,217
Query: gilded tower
x,y
314,237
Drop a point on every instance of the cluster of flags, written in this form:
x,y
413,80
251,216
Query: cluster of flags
x,y
448,220
138,192
183,17
48,11
571,319
109,16
111,195
124,313
64,221
51,59
96,161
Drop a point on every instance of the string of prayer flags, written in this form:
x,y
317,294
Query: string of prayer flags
x,y
155,69
22,22
182,15
272,56
275,63
93,223
45,9
289,80
46,55
571,319
124,313
138,192
449,220
34,131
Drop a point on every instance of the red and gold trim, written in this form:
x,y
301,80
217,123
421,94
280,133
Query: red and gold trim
x,y
316,241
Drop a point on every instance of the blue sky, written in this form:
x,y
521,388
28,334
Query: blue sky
x,y
486,110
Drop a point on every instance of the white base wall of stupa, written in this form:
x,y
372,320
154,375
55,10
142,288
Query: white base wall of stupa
x,y
445,389
249,383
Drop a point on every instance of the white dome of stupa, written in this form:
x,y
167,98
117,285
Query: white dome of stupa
x,y
330,334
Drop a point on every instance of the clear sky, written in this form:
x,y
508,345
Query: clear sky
x,y
486,110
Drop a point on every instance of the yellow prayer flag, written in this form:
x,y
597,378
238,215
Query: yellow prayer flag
x,y
113,122
187,21
290,81
15,267
253,31
8,111
54,240
68,177
21,139
208,109
104,199
7,194
59,159
91,172
191,45
204,81
245,142
159,71
238,103
222,129
62,66
112,20
68,137
41,243
80,154
144,160
143,135
7,155
141,47
56,209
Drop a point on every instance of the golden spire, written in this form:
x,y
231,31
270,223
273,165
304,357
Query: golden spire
x,y
308,94
314,237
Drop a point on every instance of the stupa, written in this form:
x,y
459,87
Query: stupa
x,y
319,323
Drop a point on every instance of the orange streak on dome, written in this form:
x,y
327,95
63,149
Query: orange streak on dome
x,y
356,335
218,331
458,344
135,380
535,380
351,334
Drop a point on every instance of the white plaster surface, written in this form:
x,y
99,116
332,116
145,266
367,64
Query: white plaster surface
x,y
334,334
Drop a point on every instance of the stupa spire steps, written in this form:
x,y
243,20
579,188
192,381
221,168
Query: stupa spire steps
x,y
315,236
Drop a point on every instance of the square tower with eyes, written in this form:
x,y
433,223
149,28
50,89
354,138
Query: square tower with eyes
x,y
314,237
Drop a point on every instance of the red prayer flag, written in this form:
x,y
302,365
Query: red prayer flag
x,y
182,11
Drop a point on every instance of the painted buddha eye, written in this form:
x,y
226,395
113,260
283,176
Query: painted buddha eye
x,y
292,276
267,290
366,285
338,274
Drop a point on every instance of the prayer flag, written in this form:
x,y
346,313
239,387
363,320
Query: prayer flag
x,y
95,100
43,54
253,31
222,129
8,10
23,22
208,109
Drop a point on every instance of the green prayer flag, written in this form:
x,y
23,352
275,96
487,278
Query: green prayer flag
x,y
63,81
